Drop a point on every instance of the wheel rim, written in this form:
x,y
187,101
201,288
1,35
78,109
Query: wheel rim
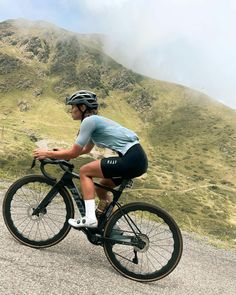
x,y
160,254
44,226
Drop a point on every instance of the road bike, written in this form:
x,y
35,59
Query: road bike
x,y
140,240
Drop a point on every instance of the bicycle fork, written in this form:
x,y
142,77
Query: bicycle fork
x,y
41,208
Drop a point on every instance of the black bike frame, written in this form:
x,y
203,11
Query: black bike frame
x,y
67,181
93,235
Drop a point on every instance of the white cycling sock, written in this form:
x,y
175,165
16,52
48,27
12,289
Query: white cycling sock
x,y
90,209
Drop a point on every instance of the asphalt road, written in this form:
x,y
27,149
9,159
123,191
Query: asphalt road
x,y
75,266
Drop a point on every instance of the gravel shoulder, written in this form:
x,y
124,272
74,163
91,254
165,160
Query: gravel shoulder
x,y
75,266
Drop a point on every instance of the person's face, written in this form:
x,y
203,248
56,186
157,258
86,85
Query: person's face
x,y
76,114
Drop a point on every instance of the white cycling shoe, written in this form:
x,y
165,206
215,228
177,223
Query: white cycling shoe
x,y
83,222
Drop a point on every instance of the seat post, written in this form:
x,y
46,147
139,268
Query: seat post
x,y
124,184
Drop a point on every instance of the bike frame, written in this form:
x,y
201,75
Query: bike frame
x,y
94,235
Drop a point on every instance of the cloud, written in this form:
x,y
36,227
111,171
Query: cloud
x,y
191,42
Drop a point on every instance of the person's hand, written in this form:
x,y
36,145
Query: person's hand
x,y
40,154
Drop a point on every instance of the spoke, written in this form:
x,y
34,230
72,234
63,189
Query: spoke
x,y
141,264
156,243
45,228
157,232
21,204
18,213
39,231
35,236
166,250
21,200
49,226
141,220
25,227
131,223
154,258
160,233
148,266
53,221
26,195
123,251
148,226
122,257
24,218
157,252
33,224
56,206
153,228
162,239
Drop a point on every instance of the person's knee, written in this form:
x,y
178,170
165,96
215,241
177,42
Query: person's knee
x,y
91,170
84,171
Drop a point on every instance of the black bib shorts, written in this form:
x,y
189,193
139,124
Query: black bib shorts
x,y
132,164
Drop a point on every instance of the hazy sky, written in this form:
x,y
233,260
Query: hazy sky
x,y
191,42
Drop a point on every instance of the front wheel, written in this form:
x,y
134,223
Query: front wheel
x,y
48,227
142,242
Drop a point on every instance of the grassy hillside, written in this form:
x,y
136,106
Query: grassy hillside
x,y
190,138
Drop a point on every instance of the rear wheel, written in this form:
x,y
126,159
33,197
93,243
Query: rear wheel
x,y
47,228
143,242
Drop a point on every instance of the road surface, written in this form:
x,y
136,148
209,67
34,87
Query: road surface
x,y
75,266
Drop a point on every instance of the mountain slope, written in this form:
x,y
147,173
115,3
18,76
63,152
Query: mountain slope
x,y
190,138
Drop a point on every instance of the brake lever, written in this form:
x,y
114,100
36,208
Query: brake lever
x,y
33,163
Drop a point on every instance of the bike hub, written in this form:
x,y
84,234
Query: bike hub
x,y
143,243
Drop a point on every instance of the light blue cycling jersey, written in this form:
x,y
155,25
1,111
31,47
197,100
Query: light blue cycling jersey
x,y
106,133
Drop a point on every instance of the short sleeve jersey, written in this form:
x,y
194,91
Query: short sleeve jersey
x,y
106,133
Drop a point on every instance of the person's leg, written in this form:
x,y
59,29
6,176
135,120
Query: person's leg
x,y
87,172
102,193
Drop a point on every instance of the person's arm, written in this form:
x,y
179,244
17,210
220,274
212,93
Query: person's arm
x,y
87,148
82,144
67,154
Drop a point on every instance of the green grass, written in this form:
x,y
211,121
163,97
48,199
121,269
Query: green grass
x,y
199,210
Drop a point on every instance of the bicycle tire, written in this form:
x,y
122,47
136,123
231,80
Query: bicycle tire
x,y
46,229
159,232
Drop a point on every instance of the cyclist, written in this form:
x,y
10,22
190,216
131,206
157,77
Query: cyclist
x,y
131,160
